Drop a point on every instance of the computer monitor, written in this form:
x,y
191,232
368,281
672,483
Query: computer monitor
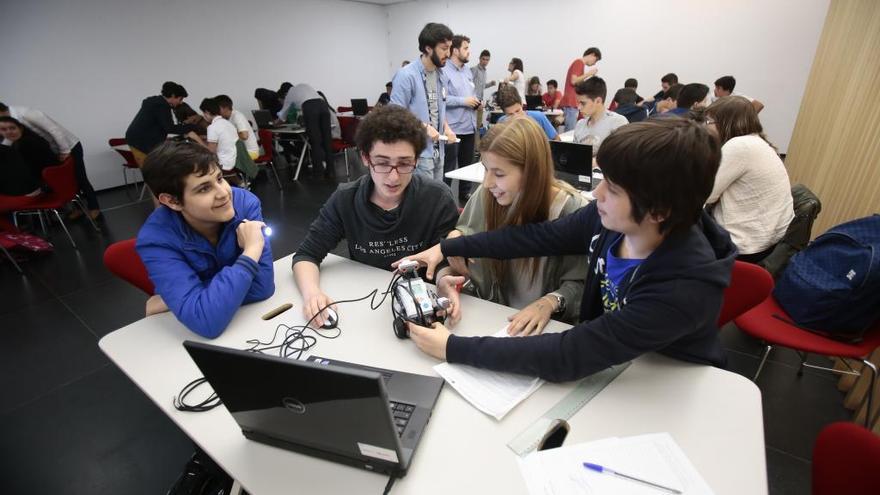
x,y
359,106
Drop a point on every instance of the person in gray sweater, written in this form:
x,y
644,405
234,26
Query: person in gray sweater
x,y
519,188
385,215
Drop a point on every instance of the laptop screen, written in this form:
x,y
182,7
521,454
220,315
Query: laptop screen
x,y
573,163
534,102
359,106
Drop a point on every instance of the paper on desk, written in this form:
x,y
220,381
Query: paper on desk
x,y
655,457
492,392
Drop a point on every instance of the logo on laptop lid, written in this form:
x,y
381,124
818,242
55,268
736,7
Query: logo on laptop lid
x,y
293,405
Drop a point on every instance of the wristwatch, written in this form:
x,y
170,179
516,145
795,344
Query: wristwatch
x,y
560,302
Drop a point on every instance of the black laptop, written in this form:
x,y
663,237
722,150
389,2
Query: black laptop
x,y
534,102
264,119
573,163
370,418
359,107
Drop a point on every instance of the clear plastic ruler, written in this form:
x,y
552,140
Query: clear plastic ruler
x,y
528,439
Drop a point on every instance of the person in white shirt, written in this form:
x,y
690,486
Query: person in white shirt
x,y
599,122
222,135
516,77
64,144
752,193
724,87
242,125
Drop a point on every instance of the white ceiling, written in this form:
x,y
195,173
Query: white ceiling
x,y
380,2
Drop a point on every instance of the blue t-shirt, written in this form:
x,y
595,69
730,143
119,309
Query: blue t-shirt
x,y
616,271
542,121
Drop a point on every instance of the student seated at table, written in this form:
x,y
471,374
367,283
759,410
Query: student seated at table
x,y
222,135
598,122
626,103
242,125
693,96
553,97
534,87
509,100
752,193
204,248
667,101
657,263
35,151
386,214
519,188
630,84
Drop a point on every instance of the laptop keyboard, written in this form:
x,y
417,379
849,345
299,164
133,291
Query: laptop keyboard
x,y
401,413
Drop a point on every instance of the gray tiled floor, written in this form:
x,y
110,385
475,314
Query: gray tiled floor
x,y
70,422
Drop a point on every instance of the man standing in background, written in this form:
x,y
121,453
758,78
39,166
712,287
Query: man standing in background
x,y
461,116
480,84
419,88
580,69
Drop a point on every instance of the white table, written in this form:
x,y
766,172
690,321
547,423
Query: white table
x,y
293,132
476,171
714,415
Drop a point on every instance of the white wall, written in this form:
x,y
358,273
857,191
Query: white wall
x,y
89,63
768,45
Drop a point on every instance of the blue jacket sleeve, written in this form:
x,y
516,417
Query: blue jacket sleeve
x,y
564,236
205,308
263,285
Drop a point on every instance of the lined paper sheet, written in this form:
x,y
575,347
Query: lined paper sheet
x,y
655,458
492,392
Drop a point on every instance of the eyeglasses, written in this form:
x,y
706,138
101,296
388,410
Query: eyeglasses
x,y
403,167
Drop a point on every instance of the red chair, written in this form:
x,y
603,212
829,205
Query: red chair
x,y
61,180
770,323
343,109
749,285
4,244
120,145
846,459
123,261
267,141
348,128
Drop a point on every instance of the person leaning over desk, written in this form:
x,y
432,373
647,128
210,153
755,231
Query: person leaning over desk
x,y
657,264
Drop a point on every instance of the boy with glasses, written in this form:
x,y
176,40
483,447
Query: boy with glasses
x,y
384,216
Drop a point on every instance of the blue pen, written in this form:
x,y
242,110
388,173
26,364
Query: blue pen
x,y
605,470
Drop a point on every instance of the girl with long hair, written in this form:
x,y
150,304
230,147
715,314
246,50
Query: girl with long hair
x,y
519,188
752,193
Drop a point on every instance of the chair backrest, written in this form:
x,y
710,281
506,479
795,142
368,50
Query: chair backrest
x,y
806,208
123,261
749,286
61,179
266,141
130,162
348,127
846,459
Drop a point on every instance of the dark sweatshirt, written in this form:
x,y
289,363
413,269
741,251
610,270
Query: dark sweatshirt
x,y
152,124
669,304
376,237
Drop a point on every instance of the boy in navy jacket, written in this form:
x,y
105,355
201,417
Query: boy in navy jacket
x,y
204,248
657,265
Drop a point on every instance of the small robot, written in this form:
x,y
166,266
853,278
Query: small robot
x,y
413,301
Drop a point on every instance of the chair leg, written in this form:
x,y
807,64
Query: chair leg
x,y
15,219
870,395
58,216
763,360
79,202
14,263
347,170
275,173
43,223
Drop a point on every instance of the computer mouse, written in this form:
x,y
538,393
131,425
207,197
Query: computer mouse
x,y
331,320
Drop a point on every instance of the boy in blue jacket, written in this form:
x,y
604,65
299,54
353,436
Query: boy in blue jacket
x,y
657,264
204,248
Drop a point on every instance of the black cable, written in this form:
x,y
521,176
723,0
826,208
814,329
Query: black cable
x,y
388,485
295,342
206,405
